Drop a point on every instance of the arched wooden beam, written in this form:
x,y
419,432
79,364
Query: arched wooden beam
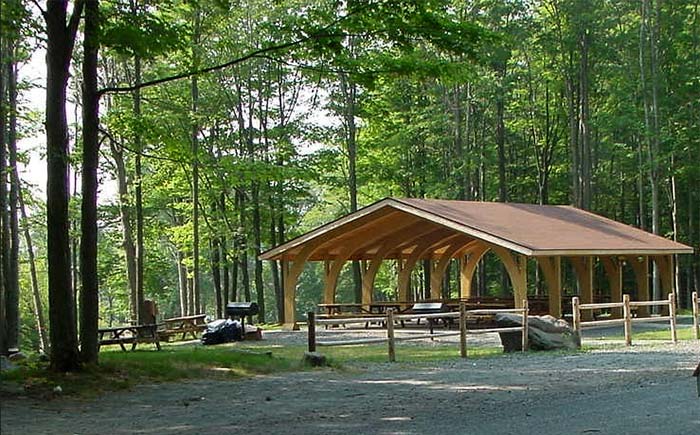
x,y
516,266
613,270
468,264
438,272
415,229
422,247
291,276
640,266
292,271
373,267
583,266
551,270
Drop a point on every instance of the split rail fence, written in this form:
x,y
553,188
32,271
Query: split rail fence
x,y
391,317
627,319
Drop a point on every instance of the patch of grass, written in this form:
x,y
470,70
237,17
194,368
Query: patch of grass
x,y
120,370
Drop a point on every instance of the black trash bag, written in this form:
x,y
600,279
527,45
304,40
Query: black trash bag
x,y
222,331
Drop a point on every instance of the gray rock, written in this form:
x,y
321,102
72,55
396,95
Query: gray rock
x,y
17,356
5,364
544,333
315,359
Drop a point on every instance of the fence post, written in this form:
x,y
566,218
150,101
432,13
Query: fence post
x,y
627,315
672,315
390,333
696,326
311,317
462,330
526,311
576,315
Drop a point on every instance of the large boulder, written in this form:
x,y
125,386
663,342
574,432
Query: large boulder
x,y
544,333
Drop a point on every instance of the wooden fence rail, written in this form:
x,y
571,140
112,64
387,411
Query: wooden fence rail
x,y
390,318
627,318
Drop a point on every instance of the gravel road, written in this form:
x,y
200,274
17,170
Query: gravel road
x,y
646,389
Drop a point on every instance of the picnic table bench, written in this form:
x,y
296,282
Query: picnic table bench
x,y
184,325
128,334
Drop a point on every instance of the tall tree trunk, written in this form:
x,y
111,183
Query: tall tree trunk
x,y
349,91
60,40
279,299
38,305
89,295
4,221
182,282
127,232
224,255
259,286
501,134
584,133
195,170
216,274
12,272
138,146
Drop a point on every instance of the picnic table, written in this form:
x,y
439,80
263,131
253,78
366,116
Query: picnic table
x,y
184,325
128,334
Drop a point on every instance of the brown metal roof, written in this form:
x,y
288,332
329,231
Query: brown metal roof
x,y
533,230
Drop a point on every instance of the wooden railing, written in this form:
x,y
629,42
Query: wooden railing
x,y
626,320
391,317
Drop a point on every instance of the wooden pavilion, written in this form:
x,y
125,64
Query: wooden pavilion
x,y
409,230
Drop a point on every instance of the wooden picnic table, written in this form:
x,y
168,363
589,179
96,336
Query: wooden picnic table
x,y
128,334
184,325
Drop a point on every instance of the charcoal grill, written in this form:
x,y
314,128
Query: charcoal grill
x,y
241,310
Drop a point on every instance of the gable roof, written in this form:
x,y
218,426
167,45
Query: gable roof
x,y
529,229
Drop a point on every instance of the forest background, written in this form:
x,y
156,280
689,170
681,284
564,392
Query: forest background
x,y
229,127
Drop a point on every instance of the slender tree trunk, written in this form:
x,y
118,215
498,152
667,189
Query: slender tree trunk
x,y
224,256
12,272
349,91
4,222
38,305
259,286
60,40
584,133
89,295
138,146
216,275
195,171
127,232
182,283
279,299
501,134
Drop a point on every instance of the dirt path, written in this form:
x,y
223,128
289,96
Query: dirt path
x,y
645,390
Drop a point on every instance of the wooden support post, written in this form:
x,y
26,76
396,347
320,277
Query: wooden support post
x,y
526,312
516,266
551,269
462,330
696,316
390,334
584,272
640,265
613,269
664,264
468,265
438,273
576,315
627,314
290,283
672,315
311,316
